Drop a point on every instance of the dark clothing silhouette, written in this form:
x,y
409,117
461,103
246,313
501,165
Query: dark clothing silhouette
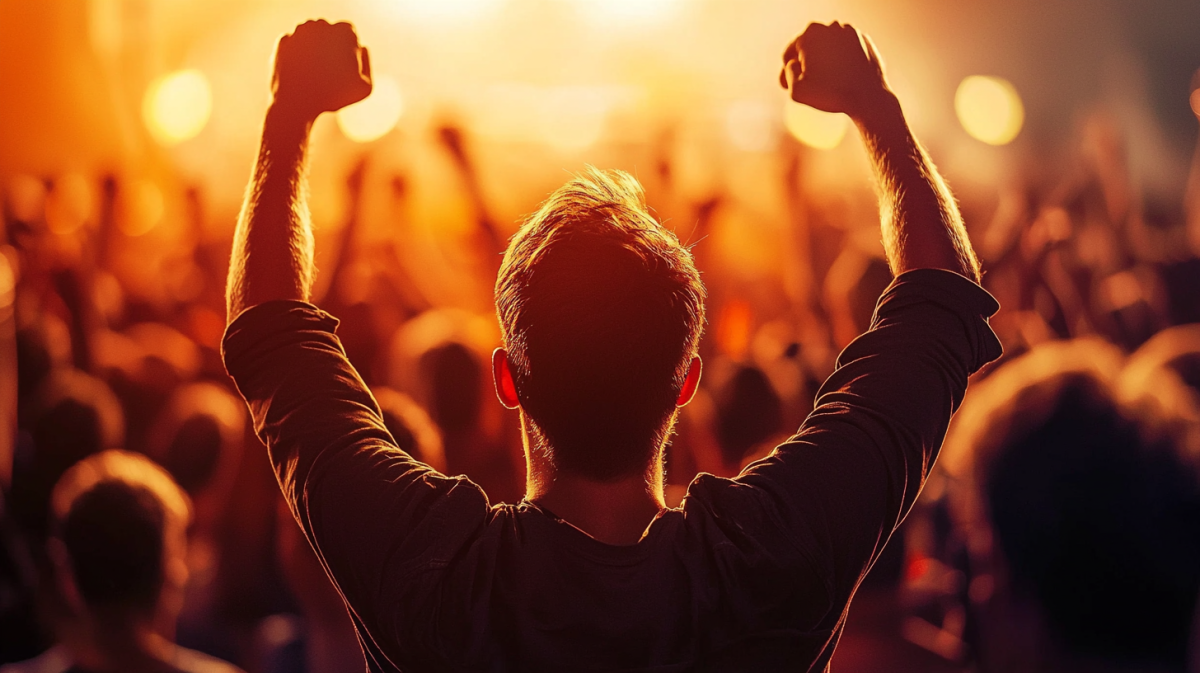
x,y
752,573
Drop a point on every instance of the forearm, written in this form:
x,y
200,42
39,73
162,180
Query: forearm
x,y
273,246
922,227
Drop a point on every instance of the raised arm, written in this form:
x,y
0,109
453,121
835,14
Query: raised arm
x,y
318,68
836,69
837,490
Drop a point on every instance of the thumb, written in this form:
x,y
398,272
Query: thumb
x,y
364,61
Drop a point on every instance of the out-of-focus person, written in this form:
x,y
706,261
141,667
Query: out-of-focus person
x,y
118,545
1077,490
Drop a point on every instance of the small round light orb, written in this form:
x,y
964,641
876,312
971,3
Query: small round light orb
x,y
990,109
375,115
1194,101
176,107
822,130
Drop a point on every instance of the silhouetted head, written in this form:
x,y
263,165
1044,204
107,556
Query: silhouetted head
x,y
454,376
414,431
601,310
198,436
119,526
1089,481
748,412
72,416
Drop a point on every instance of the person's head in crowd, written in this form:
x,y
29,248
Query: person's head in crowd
x,y
71,416
119,536
1078,488
454,379
412,428
198,436
748,413
42,347
601,310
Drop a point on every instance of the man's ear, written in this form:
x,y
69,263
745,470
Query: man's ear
x,y
691,383
506,388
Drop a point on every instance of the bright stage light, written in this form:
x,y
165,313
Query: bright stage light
x,y
822,130
375,115
177,106
990,109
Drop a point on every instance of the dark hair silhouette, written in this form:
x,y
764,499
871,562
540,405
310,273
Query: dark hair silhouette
x,y
601,310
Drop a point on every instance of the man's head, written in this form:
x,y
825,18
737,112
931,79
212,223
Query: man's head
x,y
601,310
1084,489
120,525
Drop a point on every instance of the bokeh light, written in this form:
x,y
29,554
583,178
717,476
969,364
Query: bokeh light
x,y
177,107
375,115
1194,100
990,109
752,126
139,207
822,130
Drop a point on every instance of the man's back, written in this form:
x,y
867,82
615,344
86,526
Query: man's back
x,y
756,570
601,310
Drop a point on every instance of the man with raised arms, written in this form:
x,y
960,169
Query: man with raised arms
x,y
601,311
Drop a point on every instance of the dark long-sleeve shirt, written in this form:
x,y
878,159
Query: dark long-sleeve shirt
x,y
753,573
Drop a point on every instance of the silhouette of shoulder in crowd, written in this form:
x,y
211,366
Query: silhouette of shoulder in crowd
x,y
1078,492
118,544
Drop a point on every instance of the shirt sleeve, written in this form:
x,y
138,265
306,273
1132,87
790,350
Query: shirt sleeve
x,y
376,517
846,480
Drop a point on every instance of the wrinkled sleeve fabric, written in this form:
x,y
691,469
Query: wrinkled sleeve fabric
x,y
845,481
378,519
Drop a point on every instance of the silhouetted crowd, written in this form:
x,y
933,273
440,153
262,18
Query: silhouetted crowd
x,y
1062,524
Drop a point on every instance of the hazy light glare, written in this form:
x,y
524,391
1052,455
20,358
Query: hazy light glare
x,y
628,11
70,204
177,107
990,109
139,207
375,115
439,11
822,130
566,118
1194,100
751,126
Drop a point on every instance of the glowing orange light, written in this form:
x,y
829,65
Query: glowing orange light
x,y
1194,100
69,205
751,126
139,207
628,11
990,109
176,107
444,10
822,130
374,116
734,327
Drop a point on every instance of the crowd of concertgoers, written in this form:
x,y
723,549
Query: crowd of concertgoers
x,y
1061,530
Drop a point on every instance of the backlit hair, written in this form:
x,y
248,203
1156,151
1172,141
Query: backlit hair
x,y
601,310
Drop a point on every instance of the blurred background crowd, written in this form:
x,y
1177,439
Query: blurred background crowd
x,y
1063,521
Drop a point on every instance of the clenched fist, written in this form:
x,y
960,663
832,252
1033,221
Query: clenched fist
x,y
320,67
834,68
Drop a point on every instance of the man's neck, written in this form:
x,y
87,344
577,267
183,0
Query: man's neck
x,y
616,513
